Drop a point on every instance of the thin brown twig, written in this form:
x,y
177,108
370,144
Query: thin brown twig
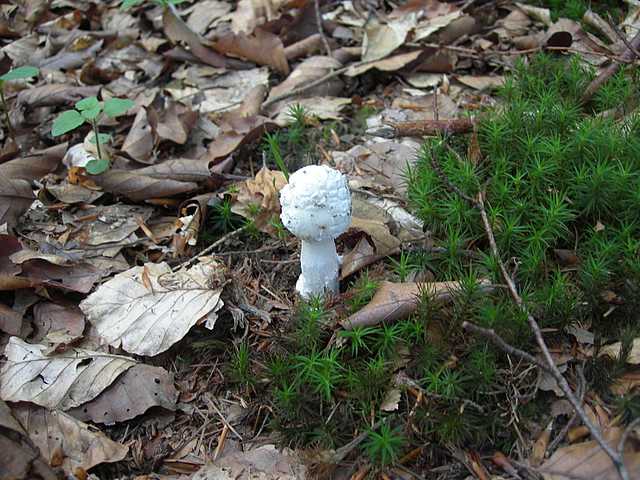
x,y
325,42
611,70
550,365
622,36
210,248
582,388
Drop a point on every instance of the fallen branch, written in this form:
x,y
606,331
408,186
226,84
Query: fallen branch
x,y
549,364
612,69
422,128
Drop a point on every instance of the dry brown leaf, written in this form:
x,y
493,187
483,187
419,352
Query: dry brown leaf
x,y
34,166
359,257
383,38
481,82
178,31
10,320
179,169
19,458
263,191
262,47
16,196
309,70
237,132
141,187
613,350
395,301
78,278
141,139
204,13
77,444
57,324
587,460
133,393
390,64
53,95
626,382
175,122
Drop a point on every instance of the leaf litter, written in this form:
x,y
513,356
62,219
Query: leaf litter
x,y
103,302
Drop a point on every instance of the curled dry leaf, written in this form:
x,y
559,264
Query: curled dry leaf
x,y
133,393
19,457
383,38
180,170
139,187
175,122
71,443
60,381
261,192
395,301
141,139
262,47
149,320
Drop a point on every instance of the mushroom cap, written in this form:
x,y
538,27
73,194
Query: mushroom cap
x,y
316,203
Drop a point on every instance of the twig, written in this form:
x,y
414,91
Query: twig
x,y
422,128
625,435
210,248
550,366
622,37
499,341
582,388
327,47
612,69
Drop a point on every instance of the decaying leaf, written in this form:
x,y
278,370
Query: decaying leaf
x,y
394,301
128,315
58,434
383,38
237,132
60,381
613,350
262,47
587,460
140,187
264,463
141,139
57,324
133,393
19,457
16,196
390,64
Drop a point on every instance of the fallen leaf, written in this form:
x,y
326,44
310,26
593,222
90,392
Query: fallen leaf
x,y
309,70
390,64
357,258
238,132
127,315
261,193
15,198
481,82
78,444
60,381
381,39
175,122
179,169
141,139
204,13
34,166
264,463
394,301
139,187
626,382
10,320
262,47
588,461
78,277
613,350
391,400
57,324
133,393
178,31
19,457
322,108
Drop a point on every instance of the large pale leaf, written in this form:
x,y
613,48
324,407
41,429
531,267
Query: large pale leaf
x,y
57,433
60,381
145,310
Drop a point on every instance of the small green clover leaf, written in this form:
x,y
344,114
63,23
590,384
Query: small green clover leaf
x,y
20,73
65,122
103,138
115,107
96,167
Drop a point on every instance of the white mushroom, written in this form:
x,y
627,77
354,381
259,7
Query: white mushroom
x,y
316,208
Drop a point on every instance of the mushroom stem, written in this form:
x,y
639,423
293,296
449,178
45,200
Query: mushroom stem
x,y
319,263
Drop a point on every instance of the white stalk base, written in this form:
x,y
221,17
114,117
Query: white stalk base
x,y
320,266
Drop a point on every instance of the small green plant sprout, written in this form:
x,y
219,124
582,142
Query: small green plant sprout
x,y
272,141
383,445
20,73
89,110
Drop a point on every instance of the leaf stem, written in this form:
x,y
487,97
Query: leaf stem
x,y
96,134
